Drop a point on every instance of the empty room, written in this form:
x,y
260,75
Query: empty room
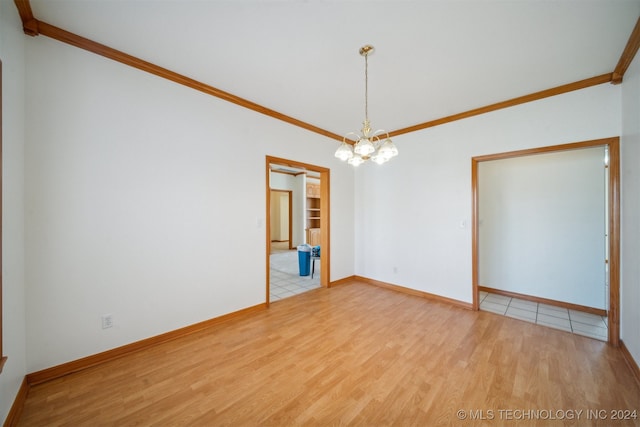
x,y
282,213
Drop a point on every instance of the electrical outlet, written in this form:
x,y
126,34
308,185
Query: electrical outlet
x,y
107,321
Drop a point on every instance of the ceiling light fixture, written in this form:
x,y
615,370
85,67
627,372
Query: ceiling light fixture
x,y
368,146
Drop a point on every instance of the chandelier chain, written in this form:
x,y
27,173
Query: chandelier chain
x,y
366,87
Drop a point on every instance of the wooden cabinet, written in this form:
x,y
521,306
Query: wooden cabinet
x,y
313,214
313,190
313,236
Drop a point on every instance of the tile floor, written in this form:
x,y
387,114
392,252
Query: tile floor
x,y
578,322
285,283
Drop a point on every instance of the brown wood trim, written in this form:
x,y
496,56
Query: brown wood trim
x,y
582,84
633,365
124,58
290,213
288,173
344,281
614,242
614,219
563,304
3,359
628,54
325,228
267,226
474,234
18,405
29,23
296,164
106,356
34,27
475,237
415,292
546,149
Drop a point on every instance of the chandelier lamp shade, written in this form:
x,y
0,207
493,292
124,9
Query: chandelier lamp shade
x,y
368,145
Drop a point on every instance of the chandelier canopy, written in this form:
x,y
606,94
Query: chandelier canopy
x,y
368,144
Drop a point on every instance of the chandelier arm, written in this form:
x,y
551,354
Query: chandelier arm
x,y
380,132
377,134
344,138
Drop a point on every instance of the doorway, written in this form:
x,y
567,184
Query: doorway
x,y
307,189
281,222
611,230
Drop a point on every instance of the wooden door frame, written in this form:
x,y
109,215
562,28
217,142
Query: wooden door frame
x,y
3,358
290,193
613,145
325,185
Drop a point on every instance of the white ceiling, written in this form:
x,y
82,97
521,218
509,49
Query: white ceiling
x,y
433,58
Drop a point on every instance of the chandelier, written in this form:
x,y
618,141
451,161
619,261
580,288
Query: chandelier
x,y
368,145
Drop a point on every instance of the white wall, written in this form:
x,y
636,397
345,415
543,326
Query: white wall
x,y
414,212
542,225
13,298
125,173
630,210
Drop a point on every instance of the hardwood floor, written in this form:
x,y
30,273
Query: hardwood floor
x,y
353,354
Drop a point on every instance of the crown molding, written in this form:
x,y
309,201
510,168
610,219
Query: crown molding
x,y
29,22
593,81
33,27
628,54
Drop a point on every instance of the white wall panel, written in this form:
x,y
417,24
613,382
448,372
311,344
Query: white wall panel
x,y
125,177
630,206
13,289
413,214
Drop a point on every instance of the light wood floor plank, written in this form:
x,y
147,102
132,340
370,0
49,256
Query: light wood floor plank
x,y
350,355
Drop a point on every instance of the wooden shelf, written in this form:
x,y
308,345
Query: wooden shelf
x,y
313,213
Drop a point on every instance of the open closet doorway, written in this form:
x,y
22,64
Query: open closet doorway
x,y
281,226
546,233
302,190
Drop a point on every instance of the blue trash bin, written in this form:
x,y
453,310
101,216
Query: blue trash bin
x,y
304,259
